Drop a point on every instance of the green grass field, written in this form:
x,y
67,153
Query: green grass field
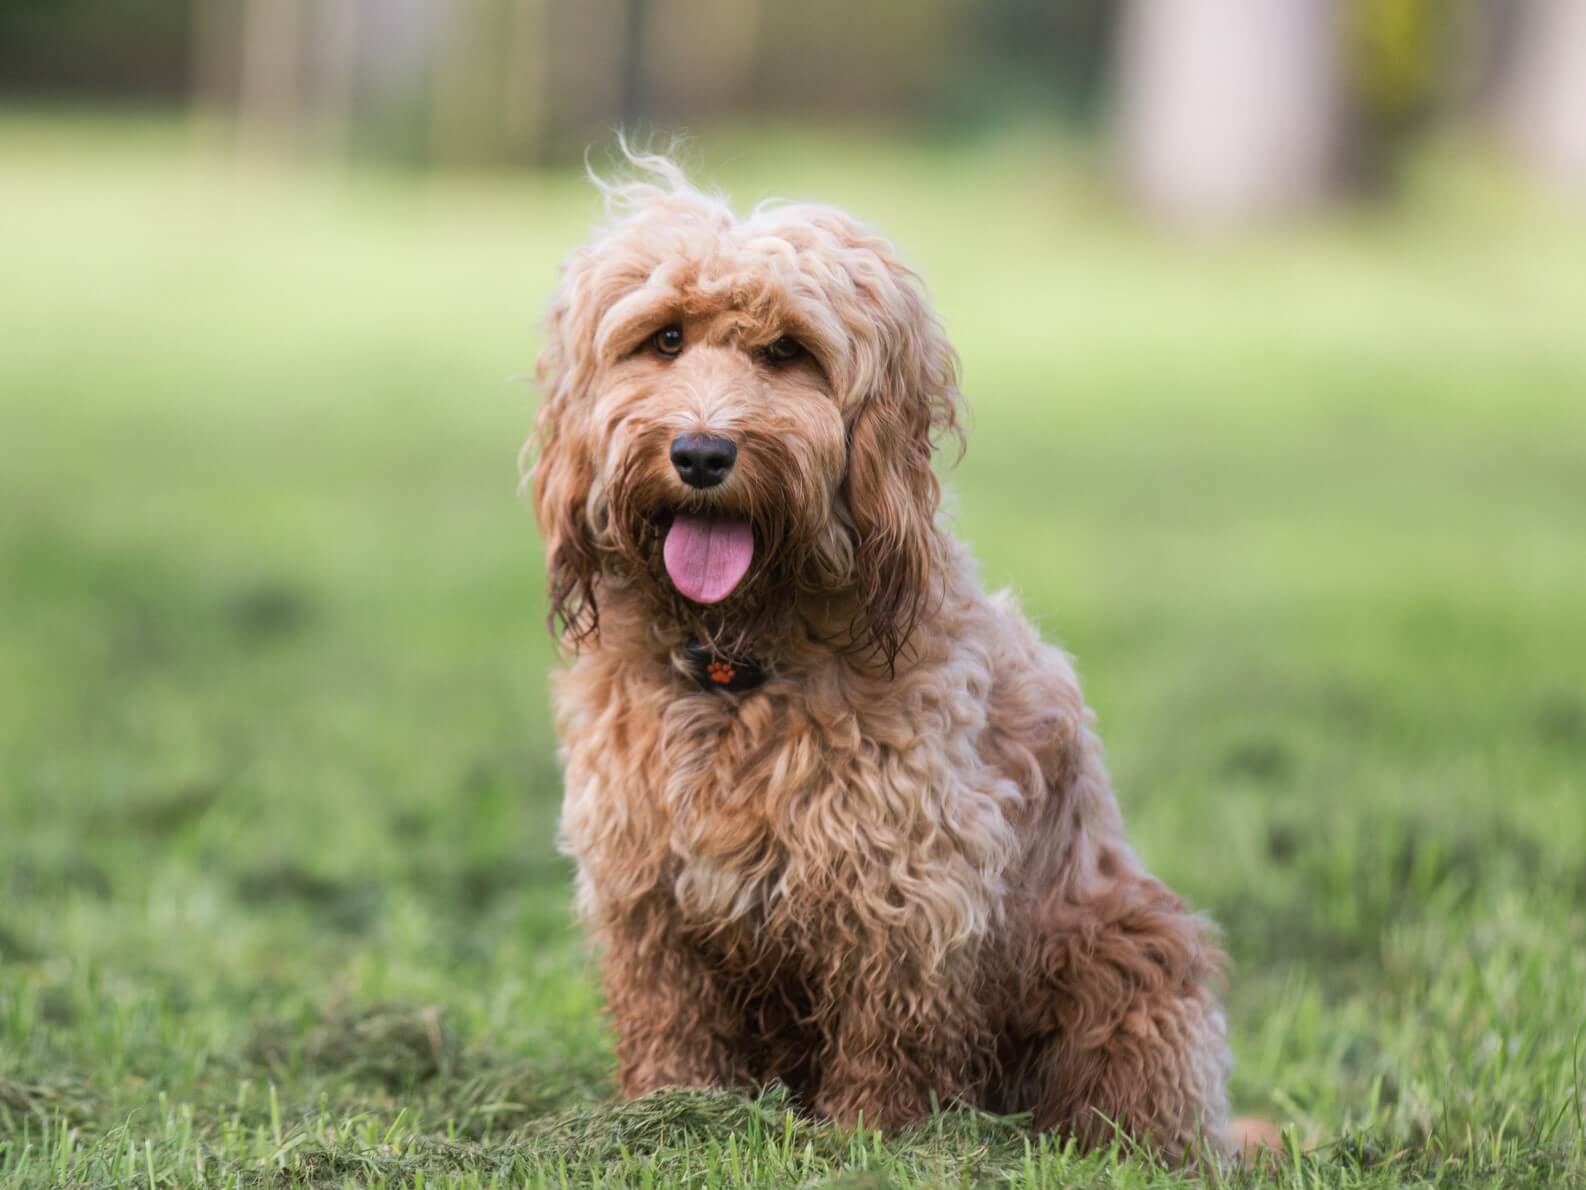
x,y
279,901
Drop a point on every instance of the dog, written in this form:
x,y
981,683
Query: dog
x,y
840,819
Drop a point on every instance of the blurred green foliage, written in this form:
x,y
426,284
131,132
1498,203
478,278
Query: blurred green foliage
x,y
278,898
1397,48
137,49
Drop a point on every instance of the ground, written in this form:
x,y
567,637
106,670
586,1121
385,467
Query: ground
x,y
279,900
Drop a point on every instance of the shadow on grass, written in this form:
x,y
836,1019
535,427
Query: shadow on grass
x,y
50,1100
409,1056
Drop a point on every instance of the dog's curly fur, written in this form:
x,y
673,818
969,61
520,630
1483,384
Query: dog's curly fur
x,y
894,874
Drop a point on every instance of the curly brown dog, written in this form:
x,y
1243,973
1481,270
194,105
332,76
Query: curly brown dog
x,y
840,818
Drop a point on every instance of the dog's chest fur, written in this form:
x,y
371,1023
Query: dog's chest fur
x,y
805,818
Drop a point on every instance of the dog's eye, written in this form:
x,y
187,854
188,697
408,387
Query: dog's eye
x,y
784,351
668,340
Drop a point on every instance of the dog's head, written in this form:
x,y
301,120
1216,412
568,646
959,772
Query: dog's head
x,y
739,414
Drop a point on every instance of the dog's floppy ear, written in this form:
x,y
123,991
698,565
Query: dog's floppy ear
x,y
912,400
563,468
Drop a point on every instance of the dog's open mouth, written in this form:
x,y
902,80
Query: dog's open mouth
x,y
707,556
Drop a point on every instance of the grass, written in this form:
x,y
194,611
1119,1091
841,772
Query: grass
x,y
279,903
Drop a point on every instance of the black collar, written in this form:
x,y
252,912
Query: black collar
x,y
710,669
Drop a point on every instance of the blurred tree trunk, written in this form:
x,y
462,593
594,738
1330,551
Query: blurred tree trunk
x,y
1489,30
698,58
268,99
1229,110
336,94
464,115
212,59
634,100
1542,91
526,111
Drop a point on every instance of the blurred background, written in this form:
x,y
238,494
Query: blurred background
x,y
1271,319
1225,109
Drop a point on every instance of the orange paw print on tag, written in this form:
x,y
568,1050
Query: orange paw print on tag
x,y
720,672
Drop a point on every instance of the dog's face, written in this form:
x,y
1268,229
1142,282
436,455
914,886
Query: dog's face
x,y
740,414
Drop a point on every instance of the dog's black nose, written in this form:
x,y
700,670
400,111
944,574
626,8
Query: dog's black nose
x,y
701,460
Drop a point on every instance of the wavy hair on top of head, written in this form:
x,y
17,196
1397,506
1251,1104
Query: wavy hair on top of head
x,y
648,179
892,370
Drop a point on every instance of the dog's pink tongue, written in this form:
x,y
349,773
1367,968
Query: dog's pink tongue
x,y
708,556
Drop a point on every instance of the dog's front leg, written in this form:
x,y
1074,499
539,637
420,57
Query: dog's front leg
x,y
891,1048
677,1024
